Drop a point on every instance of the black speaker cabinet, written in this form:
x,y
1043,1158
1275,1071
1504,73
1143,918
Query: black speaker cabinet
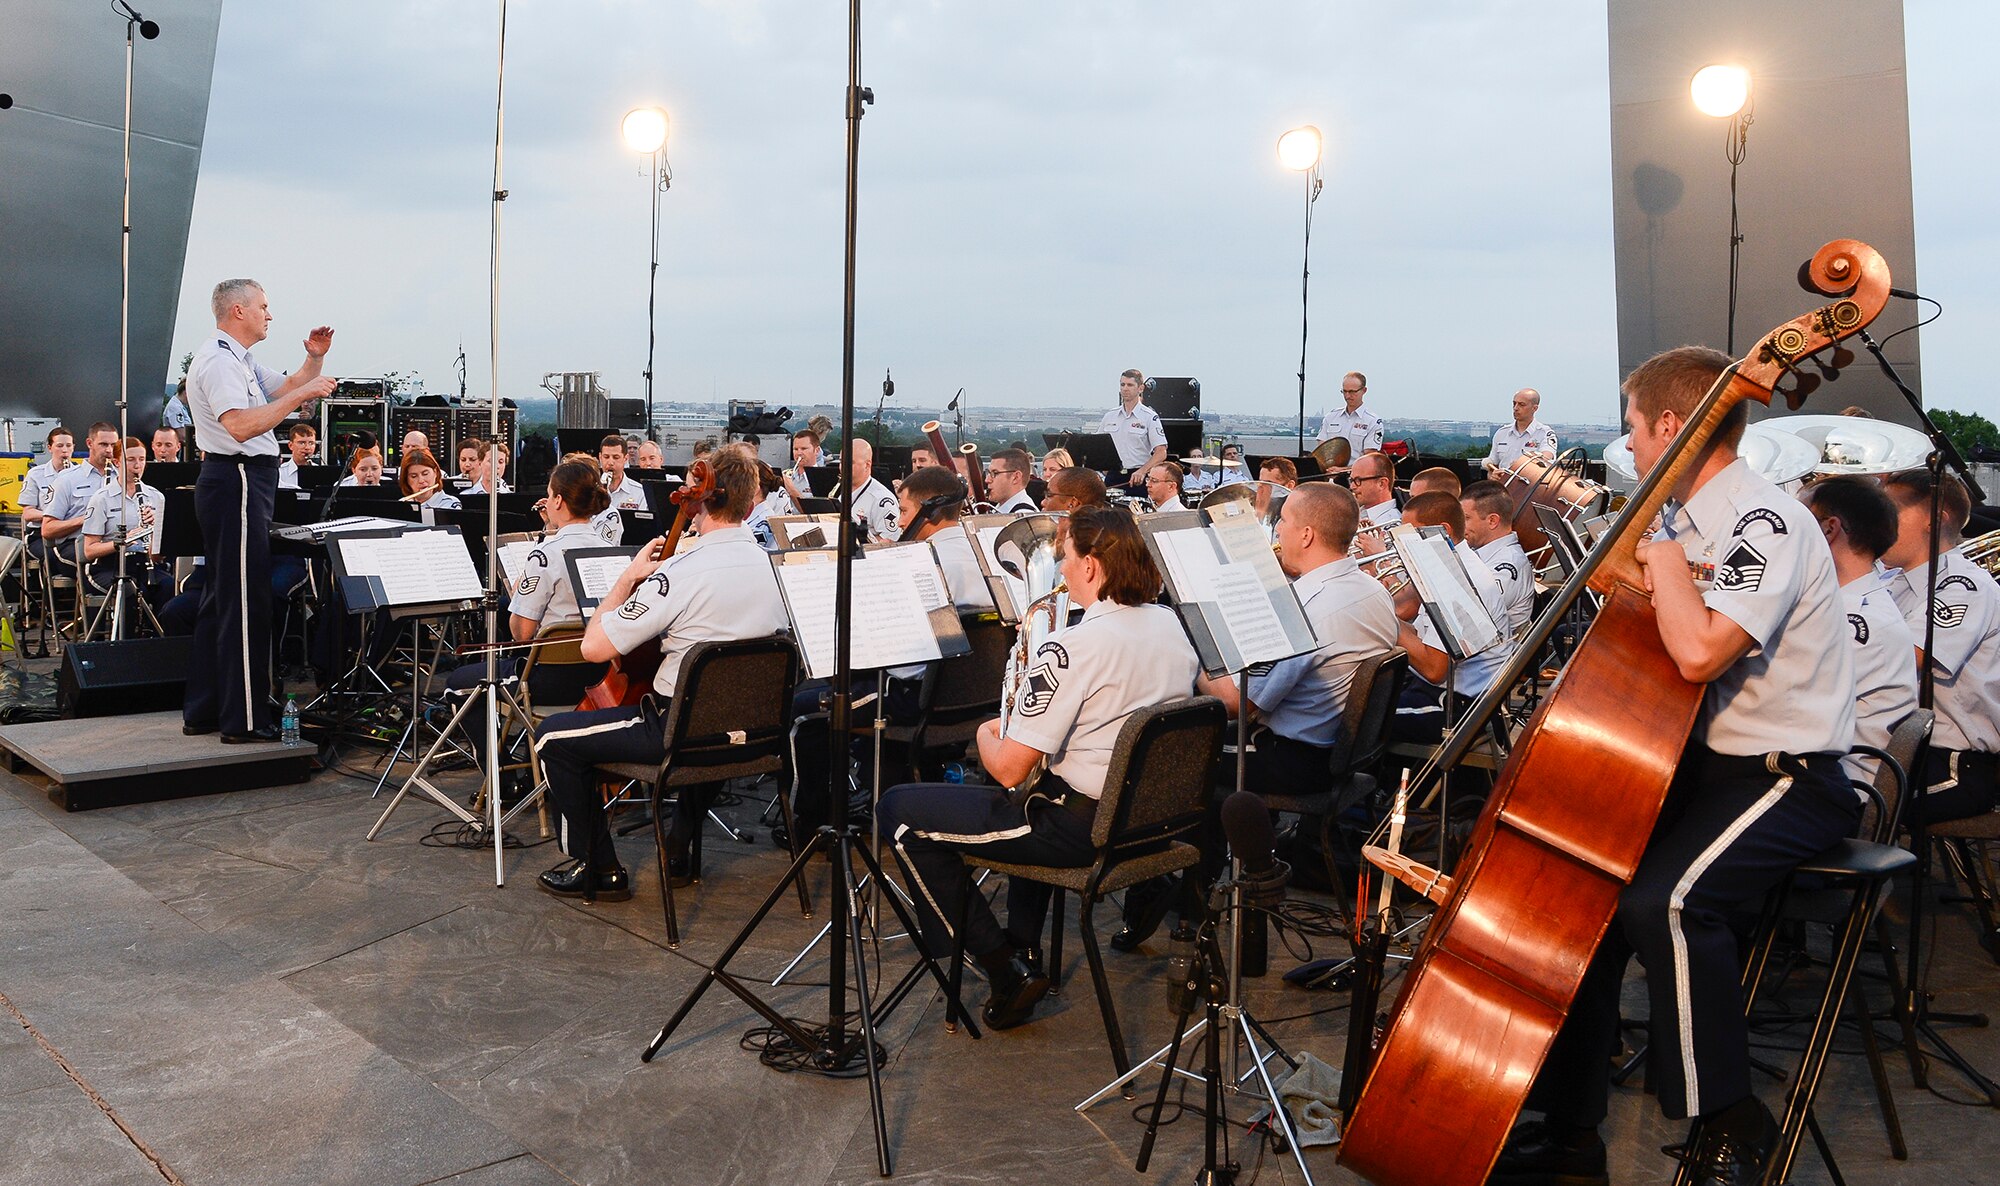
x,y
118,678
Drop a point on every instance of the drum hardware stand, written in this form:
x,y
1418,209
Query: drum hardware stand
x,y
1221,984
1921,1022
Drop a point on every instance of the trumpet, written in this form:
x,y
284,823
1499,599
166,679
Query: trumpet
x,y
1386,565
1984,550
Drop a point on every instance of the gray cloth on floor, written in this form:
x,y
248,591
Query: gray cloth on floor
x,y
1311,1095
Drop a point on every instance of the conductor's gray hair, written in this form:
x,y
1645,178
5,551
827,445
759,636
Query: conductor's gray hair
x,y
231,292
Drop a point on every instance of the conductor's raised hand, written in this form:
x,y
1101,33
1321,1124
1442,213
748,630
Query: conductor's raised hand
x,y
319,341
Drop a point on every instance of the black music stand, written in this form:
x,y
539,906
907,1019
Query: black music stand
x,y
1091,450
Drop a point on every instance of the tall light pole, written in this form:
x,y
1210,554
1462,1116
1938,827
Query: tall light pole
x,y
1724,92
645,130
1299,151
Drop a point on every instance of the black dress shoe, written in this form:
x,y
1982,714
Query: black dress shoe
x,y
1017,989
1538,1153
1735,1144
572,880
1146,906
267,733
188,730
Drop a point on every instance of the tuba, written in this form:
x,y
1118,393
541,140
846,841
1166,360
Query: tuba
x,y
1030,549
1984,550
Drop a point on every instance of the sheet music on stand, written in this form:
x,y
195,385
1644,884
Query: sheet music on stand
x,y
592,572
893,625
1010,593
805,531
1454,606
404,568
1239,608
513,555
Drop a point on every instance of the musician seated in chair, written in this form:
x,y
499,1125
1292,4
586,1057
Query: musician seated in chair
x,y
1074,489
1420,715
1959,768
716,587
1126,653
1489,528
542,595
929,507
421,482
1299,705
1747,602
127,507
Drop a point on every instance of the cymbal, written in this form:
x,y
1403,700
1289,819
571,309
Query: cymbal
x,y
1855,444
1781,457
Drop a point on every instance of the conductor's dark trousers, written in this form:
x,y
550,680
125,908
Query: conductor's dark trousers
x,y
229,672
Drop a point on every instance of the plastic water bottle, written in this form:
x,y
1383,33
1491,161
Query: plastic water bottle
x,y
289,723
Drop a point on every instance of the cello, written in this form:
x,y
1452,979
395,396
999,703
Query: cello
x,y
630,677
1572,812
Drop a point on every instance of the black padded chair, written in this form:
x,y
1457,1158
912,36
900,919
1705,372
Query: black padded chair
x,y
1364,738
729,718
1155,793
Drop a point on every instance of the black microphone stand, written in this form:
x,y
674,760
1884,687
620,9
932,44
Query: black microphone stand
x,y
1922,1022
134,23
833,1049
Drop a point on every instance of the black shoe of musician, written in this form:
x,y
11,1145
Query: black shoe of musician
x,y
1146,906
1539,1153
1017,989
192,730
570,881
267,733
1735,1144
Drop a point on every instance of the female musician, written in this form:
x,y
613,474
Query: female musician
x,y
421,482
1054,462
129,507
717,586
1124,654
470,450
542,595
364,468
1747,602
496,467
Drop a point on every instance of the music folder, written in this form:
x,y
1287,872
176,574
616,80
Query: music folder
x,y
419,569
592,572
901,611
1237,604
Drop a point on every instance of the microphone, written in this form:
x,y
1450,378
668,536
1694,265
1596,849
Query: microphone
x,y
888,384
953,405
6,100
150,30
1246,821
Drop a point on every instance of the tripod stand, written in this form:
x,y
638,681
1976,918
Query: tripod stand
x,y
1213,981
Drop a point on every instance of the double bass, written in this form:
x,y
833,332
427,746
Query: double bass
x,y
1564,829
630,677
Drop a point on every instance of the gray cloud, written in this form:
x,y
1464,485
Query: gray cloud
x,y
1049,193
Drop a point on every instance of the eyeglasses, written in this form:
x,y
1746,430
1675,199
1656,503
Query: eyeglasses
x,y
994,473
1368,478
1352,390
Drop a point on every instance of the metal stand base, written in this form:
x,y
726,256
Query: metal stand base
x,y
491,694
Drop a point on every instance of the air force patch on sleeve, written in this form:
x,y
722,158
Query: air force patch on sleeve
x,y
1761,515
1860,625
538,558
660,579
1742,571
1044,678
1947,615
1513,574
527,586
632,610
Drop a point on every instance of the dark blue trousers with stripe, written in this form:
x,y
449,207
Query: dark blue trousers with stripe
x,y
1732,828
229,671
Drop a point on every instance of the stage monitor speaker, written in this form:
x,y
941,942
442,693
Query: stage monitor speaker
x,y
1174,399
1183,436
434,422
101,679
628,414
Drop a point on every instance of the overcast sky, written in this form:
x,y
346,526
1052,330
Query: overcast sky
x,y
1049,193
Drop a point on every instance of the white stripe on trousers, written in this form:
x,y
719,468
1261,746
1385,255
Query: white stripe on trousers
x,y
243,590
917,878
1683,997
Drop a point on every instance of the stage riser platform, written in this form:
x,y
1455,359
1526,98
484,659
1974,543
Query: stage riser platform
x,y
116,761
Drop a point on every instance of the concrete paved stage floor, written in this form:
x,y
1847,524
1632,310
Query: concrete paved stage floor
x,y
260,996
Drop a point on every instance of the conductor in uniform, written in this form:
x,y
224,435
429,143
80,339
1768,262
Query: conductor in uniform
x,y
1747,602
237,404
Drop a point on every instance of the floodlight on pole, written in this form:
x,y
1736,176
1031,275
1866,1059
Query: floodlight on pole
x,y
1299,151
645,130
1723,91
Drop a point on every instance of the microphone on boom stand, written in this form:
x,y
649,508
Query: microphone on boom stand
x,y
1246,821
